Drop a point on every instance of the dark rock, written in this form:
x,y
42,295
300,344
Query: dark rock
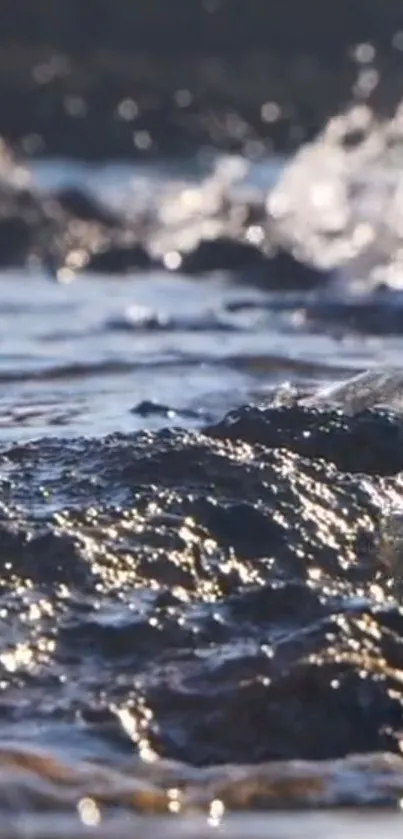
x,y
16,239
147,408
278,712
223,254
285,272
280,270
371,443
264,624
84,206
118,259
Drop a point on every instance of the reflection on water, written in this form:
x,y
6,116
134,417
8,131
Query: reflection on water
x,y
206,594
283,826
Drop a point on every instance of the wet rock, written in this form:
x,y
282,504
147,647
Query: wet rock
x,y
16,240
285,272
375,388
278,711
67,231
221,254
148,408
230,581
280,270
118,259
372,443
84,206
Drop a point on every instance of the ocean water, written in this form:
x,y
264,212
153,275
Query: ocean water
x,y
79,356
200,620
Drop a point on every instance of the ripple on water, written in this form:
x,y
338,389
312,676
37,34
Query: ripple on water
x,y
203,620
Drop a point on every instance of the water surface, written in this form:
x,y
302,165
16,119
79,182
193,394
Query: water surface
x,y
184,597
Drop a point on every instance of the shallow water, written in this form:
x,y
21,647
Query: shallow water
x,y
200,614
78,358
